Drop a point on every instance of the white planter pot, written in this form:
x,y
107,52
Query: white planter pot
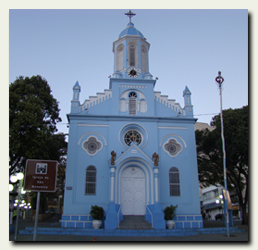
x,y
170,224
96,224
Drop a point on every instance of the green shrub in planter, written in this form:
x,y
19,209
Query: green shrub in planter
x,y
170,212
97,212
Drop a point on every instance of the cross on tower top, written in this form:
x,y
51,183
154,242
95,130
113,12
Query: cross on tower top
x,y
130,14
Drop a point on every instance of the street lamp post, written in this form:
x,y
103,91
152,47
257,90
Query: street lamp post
x,y
219,79
11,212
20,177
13,179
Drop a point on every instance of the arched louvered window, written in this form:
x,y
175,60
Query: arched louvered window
x,y
132,103
174,182
144,53
120,57
132,55
90,185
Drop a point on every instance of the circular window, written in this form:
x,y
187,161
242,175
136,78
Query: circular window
x,y
133,133
132,136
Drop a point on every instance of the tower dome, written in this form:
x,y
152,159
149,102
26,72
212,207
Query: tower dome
x,y
131,53
131,31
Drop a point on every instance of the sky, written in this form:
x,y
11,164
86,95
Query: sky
x,y
187,48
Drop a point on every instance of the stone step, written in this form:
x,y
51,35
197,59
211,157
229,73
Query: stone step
x,y
135,227
134,222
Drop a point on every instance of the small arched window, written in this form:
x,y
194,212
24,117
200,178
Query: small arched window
x,y
122,105
90,185
132,103
143,106
174,182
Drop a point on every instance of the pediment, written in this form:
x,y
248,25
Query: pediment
x,y
133,152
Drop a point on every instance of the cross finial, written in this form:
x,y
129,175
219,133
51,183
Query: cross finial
x,y
130,14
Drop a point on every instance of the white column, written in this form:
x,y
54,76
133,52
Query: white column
x,y
156,173
112,184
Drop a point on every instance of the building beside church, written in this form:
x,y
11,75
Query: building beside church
x,y
131,150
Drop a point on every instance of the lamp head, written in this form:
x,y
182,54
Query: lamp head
x,y
20,176
13,178
10,187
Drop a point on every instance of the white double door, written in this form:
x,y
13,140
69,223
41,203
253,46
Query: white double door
x,y
133,192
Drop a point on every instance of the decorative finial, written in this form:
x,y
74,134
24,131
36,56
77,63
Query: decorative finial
x,y
219,79
130,14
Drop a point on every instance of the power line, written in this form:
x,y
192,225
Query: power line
x,y
207,114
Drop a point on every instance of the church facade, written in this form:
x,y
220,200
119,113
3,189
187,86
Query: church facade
x,y
131,150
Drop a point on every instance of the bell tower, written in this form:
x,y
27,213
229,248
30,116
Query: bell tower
x,y
131,59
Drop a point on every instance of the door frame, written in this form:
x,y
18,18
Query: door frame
x,y
147,170
134,189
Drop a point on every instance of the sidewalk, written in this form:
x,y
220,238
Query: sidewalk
x,y
54,222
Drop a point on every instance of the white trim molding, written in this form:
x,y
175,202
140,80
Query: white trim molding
x,y
172,127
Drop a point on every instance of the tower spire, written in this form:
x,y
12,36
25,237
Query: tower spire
x,y
130,14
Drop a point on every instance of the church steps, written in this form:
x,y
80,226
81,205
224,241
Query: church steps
x,y
121,232
134,223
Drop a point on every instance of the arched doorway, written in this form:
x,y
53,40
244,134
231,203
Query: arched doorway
x,y
133,191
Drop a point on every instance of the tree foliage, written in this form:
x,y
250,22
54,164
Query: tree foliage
x,y
210,155
33,115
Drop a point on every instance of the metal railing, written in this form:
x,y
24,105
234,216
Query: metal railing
x,y
151,215
118,214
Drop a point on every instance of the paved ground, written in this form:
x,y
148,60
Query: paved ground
x,y
53,222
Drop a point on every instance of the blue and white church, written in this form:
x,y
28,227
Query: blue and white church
x,y
131,150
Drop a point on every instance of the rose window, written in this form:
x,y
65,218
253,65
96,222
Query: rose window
x,y
132,136
173,147
92,145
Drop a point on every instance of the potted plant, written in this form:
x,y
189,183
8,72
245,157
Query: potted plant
x,y
97,214
169,214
